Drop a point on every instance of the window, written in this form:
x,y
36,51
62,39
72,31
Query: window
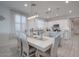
x,y
17,22
20,23
23,23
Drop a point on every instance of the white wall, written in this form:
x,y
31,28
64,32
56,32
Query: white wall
x,y
5,24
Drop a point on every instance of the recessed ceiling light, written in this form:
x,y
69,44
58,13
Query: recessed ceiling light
x,y
70,11
49,9
25,5
66,1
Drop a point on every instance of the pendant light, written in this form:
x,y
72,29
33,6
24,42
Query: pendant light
x,y
34,15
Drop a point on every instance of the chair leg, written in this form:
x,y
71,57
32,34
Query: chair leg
x,y
37,54
21,49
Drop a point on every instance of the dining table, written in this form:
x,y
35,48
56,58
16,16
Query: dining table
x,y
41,44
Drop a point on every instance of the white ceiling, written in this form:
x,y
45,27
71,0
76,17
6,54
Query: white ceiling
x,y
42,6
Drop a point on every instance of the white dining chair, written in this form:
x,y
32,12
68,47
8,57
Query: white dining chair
x,y
27,50
19,43
52,51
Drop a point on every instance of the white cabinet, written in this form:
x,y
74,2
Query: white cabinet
x,y
66,34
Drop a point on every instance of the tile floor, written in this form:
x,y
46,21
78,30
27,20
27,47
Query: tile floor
x,y
8,48
69,48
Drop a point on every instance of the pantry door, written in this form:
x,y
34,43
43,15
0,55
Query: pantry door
x,y
75,26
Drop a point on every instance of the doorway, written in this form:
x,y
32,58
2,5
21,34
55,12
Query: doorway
x,y
75,26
